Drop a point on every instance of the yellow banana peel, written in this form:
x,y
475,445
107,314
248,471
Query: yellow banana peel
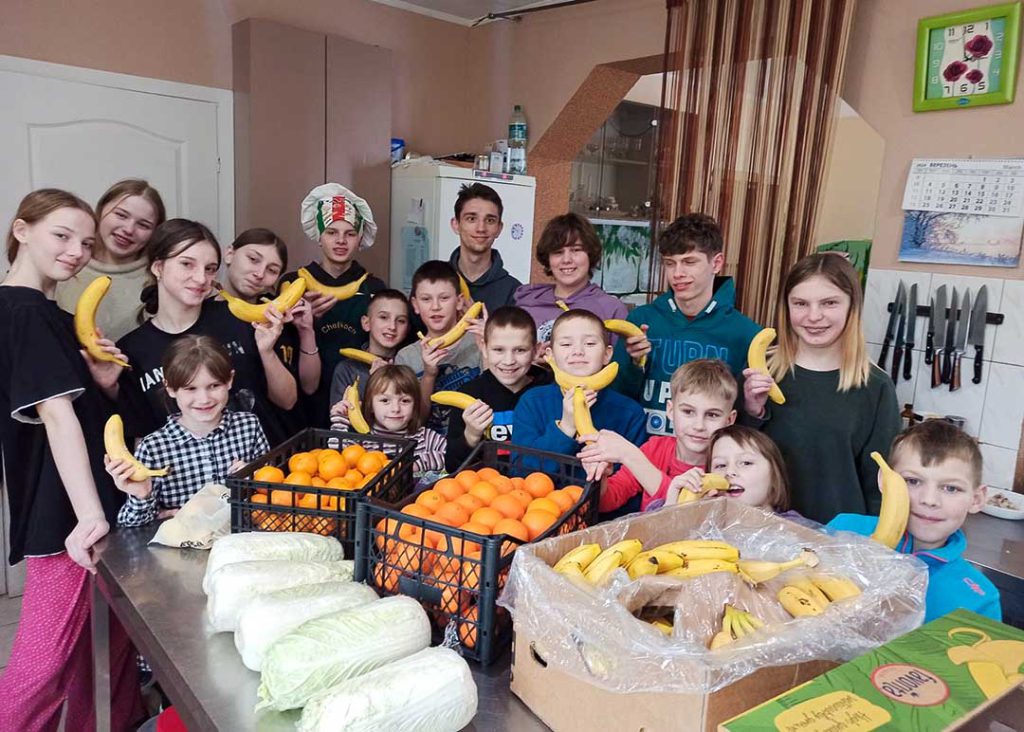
x,y
757,359
113,443
85,320
892,519
340,292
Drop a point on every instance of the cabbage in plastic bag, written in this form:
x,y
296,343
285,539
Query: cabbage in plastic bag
x,y
268,617
430,691
328,650
270,545
234,586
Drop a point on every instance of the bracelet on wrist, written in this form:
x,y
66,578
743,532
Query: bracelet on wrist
x,y
309,353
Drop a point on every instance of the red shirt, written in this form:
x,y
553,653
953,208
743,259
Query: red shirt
x,y
661,451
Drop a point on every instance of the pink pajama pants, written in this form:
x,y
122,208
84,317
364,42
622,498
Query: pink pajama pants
x,y
51,662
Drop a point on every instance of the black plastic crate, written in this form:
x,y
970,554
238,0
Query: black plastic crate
x,y
458,584
327,511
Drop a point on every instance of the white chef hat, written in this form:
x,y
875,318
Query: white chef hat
x,y
332,202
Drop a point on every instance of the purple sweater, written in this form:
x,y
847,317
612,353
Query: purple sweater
x,y
539,302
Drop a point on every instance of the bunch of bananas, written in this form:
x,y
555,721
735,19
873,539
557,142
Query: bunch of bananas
x,y
681,559
736,624
810,595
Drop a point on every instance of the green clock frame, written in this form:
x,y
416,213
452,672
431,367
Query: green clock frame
x,y
1011,14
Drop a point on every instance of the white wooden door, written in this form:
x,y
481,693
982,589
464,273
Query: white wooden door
x,y
82,130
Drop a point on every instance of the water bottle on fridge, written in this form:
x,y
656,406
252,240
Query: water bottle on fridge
x,y
517,142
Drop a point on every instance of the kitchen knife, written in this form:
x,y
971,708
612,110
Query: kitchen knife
x,y
897,352
936,323
976,331
890,328
908,346
960,341
947,343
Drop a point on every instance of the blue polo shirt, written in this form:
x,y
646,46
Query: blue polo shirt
x,y
953,582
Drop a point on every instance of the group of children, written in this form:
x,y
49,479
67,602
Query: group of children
x,y
205,390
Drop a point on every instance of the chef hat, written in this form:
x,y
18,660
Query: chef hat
x,y
332,202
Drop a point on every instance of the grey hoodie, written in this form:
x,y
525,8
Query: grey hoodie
x,y
495,288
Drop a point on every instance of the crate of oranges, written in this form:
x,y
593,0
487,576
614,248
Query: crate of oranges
x,y
451,545
313,482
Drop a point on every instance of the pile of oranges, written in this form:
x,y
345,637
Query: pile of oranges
x,y
478,501
349,470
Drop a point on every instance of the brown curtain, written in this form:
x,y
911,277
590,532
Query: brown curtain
x,y
748,111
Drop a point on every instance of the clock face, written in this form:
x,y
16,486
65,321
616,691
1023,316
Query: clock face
x,y
966,59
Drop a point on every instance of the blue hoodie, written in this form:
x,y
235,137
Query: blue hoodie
x,y
953,582
718,331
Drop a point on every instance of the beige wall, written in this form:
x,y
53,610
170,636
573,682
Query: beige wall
x,y
879,85
850,198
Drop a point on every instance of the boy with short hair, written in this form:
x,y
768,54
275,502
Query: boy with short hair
x,y
510,342
342,224
703,394
544,417
435,298
386,324
477,222
942,466
695,318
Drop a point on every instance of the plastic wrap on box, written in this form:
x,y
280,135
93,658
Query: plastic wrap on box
x,y
592,633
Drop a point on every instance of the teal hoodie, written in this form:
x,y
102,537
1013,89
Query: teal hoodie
x,y
718,331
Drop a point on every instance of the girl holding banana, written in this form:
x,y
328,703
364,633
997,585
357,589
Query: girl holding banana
x,y
61,505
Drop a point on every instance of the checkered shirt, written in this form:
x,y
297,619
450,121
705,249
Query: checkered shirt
x,y
193,462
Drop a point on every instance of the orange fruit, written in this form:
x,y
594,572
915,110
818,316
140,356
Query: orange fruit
x,y
322,455
411,534
386,577
564,500
449,488
431,500
518,482
341,483
434,537
467,628
509,507
538,485
282,498
409,558
474,527
302,462
352,453
353,476
574,491
522,496
385,531
452,512
415,509
299,478
512,528
332,466
488,474
317,481
457,546
538,522
467,478
382,459
368,464
307,500
315,451
469,502
503,484
544,504
484,491
487,516
259,498
269,474
330,503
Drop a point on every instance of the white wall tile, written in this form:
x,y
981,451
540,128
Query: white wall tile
x,y
1009,336
999,464
879,292
968,401
962,284
1004,406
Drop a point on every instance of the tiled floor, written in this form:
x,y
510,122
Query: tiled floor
x,y
10,609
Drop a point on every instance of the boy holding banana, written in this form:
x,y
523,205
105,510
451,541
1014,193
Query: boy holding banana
x,y
941,465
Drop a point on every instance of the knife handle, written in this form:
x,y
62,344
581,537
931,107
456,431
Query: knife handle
x,y
894,372
947,365
885,351
954,379
907,366
937,369
929,349
977,365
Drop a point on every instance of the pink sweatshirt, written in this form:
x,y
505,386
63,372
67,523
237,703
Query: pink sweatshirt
x,y
661,451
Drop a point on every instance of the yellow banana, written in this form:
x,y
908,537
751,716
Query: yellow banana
x,y
725,636
835,587
582,555
697,567
452,399
797,602
562,305
596,382
464,290
663,625
756,359
85,319
664,559
756,571
573,572
641,567
708,482
581,413
627,330
355,412
342,292
701,549
113,443
602,567
356,355
813,591
628,548
459,329
892,519
254,312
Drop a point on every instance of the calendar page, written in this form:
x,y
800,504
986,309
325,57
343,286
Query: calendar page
x,y
978,187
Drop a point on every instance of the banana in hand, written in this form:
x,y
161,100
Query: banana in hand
x,y
595,382
113,443
342,292
756,359
355,412
85,320
892,519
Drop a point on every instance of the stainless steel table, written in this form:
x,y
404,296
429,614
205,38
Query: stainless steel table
x,y
996,546
156,593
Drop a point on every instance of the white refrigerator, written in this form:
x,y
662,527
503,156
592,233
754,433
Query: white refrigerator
x,y
423,204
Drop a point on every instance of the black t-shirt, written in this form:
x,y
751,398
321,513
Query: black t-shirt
x,y
338,328
142,400
295,419
40,360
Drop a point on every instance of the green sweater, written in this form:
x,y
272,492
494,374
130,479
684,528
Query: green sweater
x,y
827,437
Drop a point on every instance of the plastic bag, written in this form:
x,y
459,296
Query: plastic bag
x,y
327,650
429,691
204,518
270,545
269,617
593,634
234,586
